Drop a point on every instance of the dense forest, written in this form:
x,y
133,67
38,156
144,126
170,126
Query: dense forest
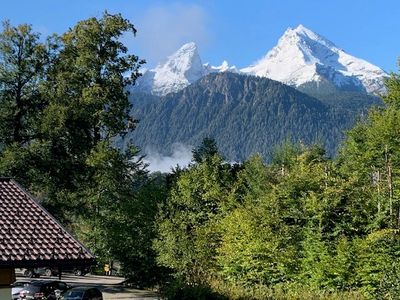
x,y
302,226
246,114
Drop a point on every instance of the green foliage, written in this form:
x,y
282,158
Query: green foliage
x,y
392,98
371,157
252,256
178,290
206,150
254,180
302,223
280,292
122,203
284,155
24,60
247,254
63,103
378,264
187,225
88,105
343,265
315,261
87,82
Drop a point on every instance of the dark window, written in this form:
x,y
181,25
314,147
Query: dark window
x,y
94,293
61,286
74,294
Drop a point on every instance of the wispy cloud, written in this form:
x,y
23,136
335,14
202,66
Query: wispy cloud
x,y
162,29
182,155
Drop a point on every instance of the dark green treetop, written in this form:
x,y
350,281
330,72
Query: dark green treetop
x,y
24,60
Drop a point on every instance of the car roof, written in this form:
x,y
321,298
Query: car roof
x,y
22,281
82,288
40,282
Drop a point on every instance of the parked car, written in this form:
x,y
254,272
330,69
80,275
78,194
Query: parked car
x,y
83,293
77,270
37,272
43,289
18,286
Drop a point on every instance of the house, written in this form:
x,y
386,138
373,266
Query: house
x,y
31,237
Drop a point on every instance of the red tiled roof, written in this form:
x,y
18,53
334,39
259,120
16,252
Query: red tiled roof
x,y
30,236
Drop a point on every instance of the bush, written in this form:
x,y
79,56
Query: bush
x,y
284,291
378,264
182,291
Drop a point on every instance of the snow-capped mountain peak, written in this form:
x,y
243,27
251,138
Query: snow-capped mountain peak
x,y
302,56
224,67
301,32
184,63
178,71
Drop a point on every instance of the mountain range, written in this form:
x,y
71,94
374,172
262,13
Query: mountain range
x,y
300,57
244,114
305,89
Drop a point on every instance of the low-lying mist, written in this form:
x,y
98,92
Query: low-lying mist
x,y
181,155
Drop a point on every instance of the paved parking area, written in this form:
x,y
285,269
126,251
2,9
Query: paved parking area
x,y
111,286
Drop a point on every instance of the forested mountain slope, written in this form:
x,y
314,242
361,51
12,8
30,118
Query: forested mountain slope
x,y
245,114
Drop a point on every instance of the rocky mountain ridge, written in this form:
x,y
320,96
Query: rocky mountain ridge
x,y
301,57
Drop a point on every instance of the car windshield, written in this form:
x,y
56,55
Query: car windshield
x,y
38,283
20,283
32,288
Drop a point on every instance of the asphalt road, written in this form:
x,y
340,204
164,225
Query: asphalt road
x,y
111,286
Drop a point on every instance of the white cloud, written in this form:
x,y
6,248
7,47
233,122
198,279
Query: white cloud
x,y
181,156
165,28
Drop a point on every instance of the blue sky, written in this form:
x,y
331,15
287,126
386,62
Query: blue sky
x,y
239,31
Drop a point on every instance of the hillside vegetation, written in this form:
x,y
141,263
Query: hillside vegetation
x,y
245,114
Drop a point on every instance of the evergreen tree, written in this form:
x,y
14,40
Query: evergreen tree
x,y
371,160
377,264
206,150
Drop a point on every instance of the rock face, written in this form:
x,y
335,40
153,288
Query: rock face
x,y
302,57
180,69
